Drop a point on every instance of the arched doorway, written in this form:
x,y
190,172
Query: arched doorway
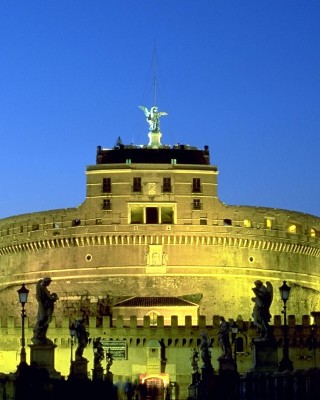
x,y
155,386
155,389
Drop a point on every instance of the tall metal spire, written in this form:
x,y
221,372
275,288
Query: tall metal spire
x,y
155,75
153,115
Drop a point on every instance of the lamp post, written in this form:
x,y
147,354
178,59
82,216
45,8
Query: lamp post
x,y
285,364
23,298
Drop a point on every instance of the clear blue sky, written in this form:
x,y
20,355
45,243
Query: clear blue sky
x,y
240,76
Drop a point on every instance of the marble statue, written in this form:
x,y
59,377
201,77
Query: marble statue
x,y
205,343
82,337
98,352
224,339
261,310
46,302
194,360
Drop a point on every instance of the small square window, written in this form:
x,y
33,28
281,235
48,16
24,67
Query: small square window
x,y
76,222
227,222
196,185
137,184
166,188
196,205
106,205
106,185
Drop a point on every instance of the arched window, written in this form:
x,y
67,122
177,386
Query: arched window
x,y
292,228
153,317
239,344
313,232
268,223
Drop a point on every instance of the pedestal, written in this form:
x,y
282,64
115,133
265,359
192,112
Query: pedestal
x,y
42,356
97,373
227,365
193,388
79,369
195,378
109,377
265,355
205,389
207,373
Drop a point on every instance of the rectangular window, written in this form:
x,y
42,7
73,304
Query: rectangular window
x,y
166,215
137,184
196,185
106,205
136,216
166,188
106,185
196,205
152,215
35,227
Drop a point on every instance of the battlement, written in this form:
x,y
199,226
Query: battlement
x,y
12,328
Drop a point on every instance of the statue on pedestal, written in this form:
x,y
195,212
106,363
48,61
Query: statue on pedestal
x,y
82,336
224,340
205,343
194,360
153,116
46,302
262,302
98,352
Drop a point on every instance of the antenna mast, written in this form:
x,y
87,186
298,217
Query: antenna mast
x,y
155,75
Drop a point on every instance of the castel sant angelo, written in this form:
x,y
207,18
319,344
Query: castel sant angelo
x,y
152,238
152,225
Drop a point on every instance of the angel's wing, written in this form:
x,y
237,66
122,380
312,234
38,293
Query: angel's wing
x,y
270,292
145,110
162,113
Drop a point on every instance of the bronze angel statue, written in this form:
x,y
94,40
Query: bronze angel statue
x,y
261,310
153,116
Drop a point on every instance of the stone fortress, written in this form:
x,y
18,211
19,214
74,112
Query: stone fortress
x,y
152,224
153,240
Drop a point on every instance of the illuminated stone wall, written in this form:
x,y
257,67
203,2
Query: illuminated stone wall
x,y
211,252
216,263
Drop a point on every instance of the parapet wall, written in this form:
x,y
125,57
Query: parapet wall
x,y
172,335
62,227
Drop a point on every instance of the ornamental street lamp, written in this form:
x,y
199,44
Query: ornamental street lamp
x,y
23,298
285,364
